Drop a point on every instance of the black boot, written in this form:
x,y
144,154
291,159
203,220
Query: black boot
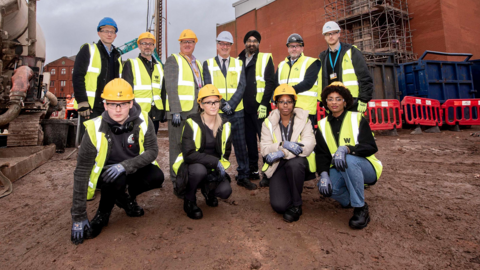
x,y
254,175
265,182
192,210
210,198
98,222
130,206
360,218
245,182
293,214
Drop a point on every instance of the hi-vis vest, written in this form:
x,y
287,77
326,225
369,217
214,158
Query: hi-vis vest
x,y
93,71
312,165
227,86
296,74
348,136
349,79
186,83
260,66
197,137
70,104
100,141
147,91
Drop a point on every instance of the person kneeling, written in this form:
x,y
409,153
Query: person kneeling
x,y
287,144
118,150
206,147
345,154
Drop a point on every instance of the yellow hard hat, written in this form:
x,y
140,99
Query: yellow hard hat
x,y
145,35
337,84
118,89
206,91
284,89
186,34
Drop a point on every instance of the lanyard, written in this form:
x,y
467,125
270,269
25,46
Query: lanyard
x,y
285,138
336,58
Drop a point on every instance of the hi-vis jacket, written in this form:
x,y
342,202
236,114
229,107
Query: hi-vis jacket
x,y
147,90
272,137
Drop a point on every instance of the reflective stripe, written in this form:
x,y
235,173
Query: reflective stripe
x,y
322,128
143,100
185,97
211,68
179,158
155,85
354,119
90,94
260,90
98,135
280,67
143,125
349,71
264,66
180,77
308,93
157,97
350,83
195,129
303,69
92,54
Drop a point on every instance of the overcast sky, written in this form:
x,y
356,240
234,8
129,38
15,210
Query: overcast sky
x,y
69,24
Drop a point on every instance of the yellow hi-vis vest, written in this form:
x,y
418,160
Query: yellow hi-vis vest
x,y
312,165
197,137
349,79
147,90
93,71
348,136
186,83
296,74
260,66
100,142
227,86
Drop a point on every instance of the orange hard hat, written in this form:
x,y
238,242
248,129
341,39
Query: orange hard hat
x,y
69,96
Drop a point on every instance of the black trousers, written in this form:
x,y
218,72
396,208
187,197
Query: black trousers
x,y
313,119
197,174
286,184
253,128
144,179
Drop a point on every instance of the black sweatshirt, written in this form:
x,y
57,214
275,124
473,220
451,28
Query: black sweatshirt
x,y
366,143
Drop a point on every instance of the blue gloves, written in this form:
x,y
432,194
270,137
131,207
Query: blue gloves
x,y
361,107
295,148
176,120
78,229
221,169
112,173
339,158
272,157
325,185
227,109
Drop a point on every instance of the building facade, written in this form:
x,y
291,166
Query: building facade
x,y
61,71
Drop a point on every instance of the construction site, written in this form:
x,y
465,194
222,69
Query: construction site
x,y
424,113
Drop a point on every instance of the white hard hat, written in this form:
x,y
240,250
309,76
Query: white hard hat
x,y
225,36
330,26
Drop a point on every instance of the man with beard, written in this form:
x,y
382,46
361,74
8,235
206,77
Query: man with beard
x,y
145,75
260,76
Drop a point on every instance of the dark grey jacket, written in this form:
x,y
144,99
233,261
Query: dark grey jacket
x,y
86,160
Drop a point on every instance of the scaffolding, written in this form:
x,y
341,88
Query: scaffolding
x,y
380,29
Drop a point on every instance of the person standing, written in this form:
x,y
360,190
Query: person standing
x,y
183,79
344,63
260,84
145,75
227,75
95,65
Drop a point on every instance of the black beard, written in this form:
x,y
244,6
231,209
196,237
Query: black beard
x,y
252,49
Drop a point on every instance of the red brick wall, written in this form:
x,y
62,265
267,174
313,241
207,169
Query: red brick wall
x,y
57,78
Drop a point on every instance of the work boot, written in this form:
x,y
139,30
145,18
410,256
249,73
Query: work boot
x,y
210,198
192,210
254,175
245,182
130,206
98,222
293,214
360,217
265,182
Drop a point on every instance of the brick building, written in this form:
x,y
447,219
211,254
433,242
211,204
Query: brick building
x,y
61,76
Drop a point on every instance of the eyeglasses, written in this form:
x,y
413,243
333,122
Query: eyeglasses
x,y
189,42
282,102
223,44
251,42
212,103
115,105
335,99
107,32
146,44
331,34
294,46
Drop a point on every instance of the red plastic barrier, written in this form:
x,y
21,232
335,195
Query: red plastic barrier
x,y
320,112
384,114
462,111
422,111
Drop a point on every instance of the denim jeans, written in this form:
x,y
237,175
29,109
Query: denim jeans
x,y
348,186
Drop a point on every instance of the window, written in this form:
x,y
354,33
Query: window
x,y
62,83
72,70
64,71
52,83
52,71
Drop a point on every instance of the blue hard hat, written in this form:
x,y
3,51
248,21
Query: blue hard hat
x,y
107,21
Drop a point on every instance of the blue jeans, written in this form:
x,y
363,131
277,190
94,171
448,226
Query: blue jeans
x,y
348,186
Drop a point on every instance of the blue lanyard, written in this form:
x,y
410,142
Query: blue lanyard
x,y
336,58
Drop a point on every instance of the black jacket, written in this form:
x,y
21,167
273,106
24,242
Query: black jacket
x,y
366,142
80,70
311,76
250,95
365,81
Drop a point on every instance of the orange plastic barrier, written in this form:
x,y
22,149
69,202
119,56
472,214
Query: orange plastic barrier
x,y
422,111
384,114
462,111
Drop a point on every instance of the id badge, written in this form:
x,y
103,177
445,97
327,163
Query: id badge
x,y
333,76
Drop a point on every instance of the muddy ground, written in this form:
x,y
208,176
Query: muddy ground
x,y
424,209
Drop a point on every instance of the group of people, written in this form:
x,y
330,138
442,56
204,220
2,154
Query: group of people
x,y
208,107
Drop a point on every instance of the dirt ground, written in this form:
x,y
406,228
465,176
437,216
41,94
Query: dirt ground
x,y
424,211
